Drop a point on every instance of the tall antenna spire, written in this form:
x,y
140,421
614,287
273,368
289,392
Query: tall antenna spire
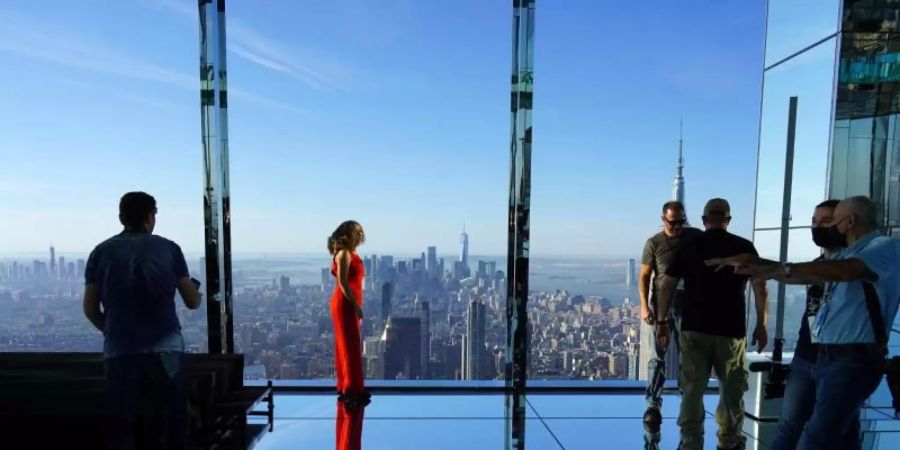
x,y
678,183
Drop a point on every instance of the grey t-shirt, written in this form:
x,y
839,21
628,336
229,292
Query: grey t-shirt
x,y
659,252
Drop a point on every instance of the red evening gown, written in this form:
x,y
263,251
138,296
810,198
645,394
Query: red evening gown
x,y
347,345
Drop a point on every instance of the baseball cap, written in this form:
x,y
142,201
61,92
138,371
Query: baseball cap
x,y
717,207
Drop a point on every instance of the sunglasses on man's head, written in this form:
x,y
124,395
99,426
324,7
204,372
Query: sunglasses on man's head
x,y
675,222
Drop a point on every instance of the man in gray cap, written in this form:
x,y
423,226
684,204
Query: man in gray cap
x,y
713,329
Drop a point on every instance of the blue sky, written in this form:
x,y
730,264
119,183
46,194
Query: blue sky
x,y
395,113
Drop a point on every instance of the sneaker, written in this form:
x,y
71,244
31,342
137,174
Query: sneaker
x,y
652,419
740,446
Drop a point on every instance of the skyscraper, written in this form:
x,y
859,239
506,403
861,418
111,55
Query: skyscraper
x,y
473,346
61,269
422,311
387,290
646,331
432,261
402,348
630,280
79,272
52,261
678,183
464,251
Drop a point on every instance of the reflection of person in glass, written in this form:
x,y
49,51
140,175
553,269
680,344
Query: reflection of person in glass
x,y
347,312
348,427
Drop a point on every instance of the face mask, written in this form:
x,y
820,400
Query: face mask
x,y
820,237
835,238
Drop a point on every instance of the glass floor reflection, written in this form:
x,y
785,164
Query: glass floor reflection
x,y
555,421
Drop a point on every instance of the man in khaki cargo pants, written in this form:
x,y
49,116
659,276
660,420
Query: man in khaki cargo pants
x,y
713,330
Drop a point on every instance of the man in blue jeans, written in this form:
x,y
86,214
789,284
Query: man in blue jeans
x,y
850,361
800,393
659,252
130,284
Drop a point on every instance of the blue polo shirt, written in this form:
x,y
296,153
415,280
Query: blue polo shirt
x,y
136,275
847,319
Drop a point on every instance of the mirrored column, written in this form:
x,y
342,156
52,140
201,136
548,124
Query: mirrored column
x,y
216,197
519,208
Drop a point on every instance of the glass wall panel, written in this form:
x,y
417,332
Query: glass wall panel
x,y
606,157
810,77
383,114
864,160
792,25
103,100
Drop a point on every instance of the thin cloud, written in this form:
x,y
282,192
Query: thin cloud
x,y
254,47
251,45
19,35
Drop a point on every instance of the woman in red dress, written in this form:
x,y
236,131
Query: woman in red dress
x,y
347,312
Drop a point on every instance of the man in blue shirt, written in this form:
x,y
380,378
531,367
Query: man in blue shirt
x,y
130,284
800,392
849,359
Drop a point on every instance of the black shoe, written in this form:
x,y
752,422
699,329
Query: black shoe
x,y
740,446
652,419
355,401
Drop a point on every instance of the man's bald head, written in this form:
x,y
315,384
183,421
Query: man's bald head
x,y
855,217
861,207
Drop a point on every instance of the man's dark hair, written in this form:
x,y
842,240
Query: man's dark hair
x,y
828,204
134,209
674,205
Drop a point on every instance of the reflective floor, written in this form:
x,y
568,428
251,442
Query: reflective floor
x,y
564,421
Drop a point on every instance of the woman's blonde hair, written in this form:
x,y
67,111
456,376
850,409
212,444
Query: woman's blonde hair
x,y
346,237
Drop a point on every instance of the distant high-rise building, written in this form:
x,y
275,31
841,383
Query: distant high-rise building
x,y
70,271
482,269
402,348
326,279
387,290
432,261
61,269
422,311
464,251
473,348
373,274
647,336
491,268
52,261
630,280
79,269
678,184
618,365
285,284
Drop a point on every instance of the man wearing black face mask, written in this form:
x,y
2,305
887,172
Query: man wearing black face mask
x,y
800,393
850,362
